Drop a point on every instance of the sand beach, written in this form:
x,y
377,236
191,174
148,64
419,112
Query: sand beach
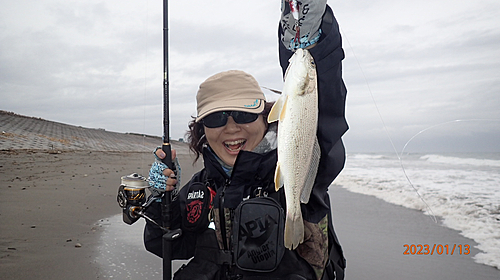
x,y
58,186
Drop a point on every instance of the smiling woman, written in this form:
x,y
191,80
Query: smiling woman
x,y
228,132
235,191
228,140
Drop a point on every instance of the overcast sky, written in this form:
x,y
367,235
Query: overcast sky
x,y
411,66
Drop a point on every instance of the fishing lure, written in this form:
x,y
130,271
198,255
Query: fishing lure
x,y
294,8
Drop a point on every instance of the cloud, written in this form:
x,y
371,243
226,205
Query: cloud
x,y
420,67
409,65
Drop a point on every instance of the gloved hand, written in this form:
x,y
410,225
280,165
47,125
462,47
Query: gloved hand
x,y
310,13
161,177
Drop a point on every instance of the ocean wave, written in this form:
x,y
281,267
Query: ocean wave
x,y
461,161
366,156
462,190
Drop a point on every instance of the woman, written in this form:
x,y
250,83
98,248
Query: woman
x,y
239,153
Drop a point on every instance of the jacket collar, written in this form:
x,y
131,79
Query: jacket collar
x,y
251,170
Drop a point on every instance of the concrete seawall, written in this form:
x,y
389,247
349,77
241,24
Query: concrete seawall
x,y
28,133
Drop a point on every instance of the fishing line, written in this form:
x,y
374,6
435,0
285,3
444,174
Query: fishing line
x,y
433,216
146,32
445,123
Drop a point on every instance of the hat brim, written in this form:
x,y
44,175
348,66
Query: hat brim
x,y
244,105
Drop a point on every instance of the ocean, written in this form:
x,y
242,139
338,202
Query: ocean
x,y
461,189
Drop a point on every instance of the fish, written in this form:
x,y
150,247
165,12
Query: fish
x,y
296,111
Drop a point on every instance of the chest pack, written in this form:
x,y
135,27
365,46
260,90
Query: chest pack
x,y
257,227
258,235
256,240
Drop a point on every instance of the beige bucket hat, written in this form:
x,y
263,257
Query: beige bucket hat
x,y
232,90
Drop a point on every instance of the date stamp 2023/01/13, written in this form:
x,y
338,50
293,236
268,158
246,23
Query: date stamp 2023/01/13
x,y
439,249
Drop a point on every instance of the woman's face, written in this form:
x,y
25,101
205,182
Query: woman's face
x,y
227,141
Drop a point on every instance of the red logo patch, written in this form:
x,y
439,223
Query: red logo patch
x,y
194,211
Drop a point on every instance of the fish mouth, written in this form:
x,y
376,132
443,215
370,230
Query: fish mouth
x,y
234,146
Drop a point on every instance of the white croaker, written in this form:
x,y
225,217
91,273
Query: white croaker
x,y
298,148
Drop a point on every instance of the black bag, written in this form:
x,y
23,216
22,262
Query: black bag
x,y
258,235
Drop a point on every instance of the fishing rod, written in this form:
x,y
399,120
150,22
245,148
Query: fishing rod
x,y
166,201
131,193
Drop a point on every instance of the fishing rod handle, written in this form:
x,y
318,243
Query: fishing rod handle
x,y
166,217
167,160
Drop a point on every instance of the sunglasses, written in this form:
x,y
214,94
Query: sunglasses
x,y
219,119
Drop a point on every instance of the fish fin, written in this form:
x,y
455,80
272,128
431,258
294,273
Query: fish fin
x,y
294,230
278,109
278,178
311,173
275,112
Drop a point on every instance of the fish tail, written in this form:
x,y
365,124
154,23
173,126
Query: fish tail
x,y
294,230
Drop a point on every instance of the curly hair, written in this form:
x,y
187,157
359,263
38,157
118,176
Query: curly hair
x,y
196,133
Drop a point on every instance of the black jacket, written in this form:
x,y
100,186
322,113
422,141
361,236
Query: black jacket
x,y
253,170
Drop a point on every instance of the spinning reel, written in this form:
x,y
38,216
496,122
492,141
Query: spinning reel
x,y
132,198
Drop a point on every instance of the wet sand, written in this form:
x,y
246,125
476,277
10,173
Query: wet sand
x,y
55,207
376,234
